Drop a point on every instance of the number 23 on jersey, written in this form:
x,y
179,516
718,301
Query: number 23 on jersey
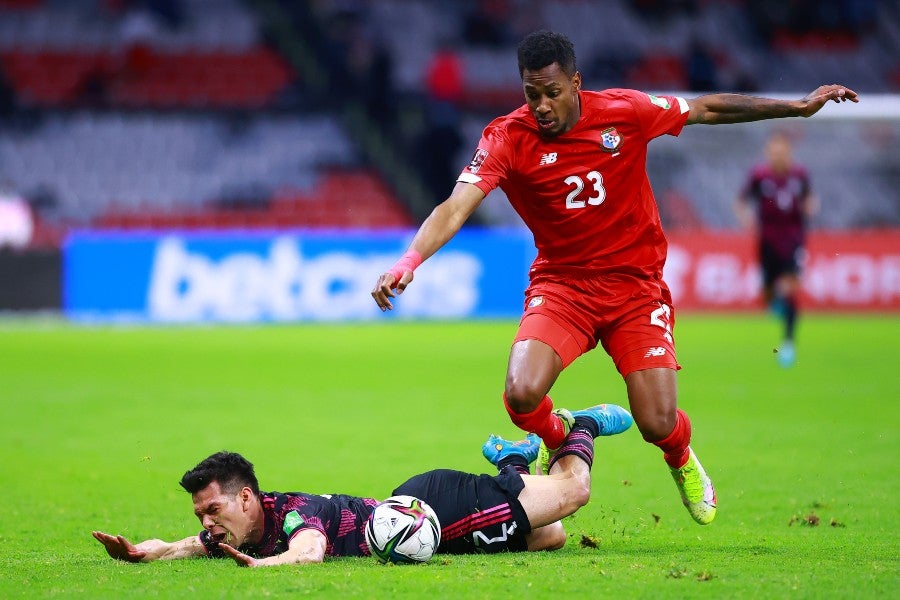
x,y
578,184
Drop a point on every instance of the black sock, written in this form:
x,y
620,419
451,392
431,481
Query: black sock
x,y
580,443
589,424
790,318
516,462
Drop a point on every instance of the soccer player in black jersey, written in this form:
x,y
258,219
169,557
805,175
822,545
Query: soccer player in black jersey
x,y
512,511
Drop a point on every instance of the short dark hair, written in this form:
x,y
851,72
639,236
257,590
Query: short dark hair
x,y
543,48
231,470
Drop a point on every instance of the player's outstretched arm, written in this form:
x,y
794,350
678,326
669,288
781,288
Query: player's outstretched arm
x,y
441,225
308,546
120,548
717,109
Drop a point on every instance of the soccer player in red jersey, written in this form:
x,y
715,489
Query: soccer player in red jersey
x,y
573,164
776,203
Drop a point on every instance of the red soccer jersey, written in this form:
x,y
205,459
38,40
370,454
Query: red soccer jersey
x,y
585,194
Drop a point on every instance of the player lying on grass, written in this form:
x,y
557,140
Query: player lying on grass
x,y
512,511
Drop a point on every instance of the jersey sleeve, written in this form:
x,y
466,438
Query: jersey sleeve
x,y
750,190
491,162
659,115
294,523
308,515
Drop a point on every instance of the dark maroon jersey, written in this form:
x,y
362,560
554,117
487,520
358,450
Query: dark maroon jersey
x,y
340,518
780,200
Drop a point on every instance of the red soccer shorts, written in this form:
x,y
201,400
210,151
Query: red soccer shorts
x,y
633,319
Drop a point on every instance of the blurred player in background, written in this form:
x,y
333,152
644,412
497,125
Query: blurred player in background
x,y
573,164
776,203
512,511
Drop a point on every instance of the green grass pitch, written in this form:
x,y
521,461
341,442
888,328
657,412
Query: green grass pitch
x,y
98,424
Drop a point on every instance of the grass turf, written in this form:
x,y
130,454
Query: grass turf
x,y
98,424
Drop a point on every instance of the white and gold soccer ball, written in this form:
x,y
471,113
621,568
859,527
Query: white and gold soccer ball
x,y
403,529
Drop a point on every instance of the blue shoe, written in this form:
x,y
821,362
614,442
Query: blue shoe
x,y
787,356
610,418
496,448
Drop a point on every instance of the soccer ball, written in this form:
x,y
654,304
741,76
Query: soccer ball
x,y
403,529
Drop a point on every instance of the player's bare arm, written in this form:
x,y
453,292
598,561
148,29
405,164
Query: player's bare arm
x,y
120,548
308,546
744,213
442,224
717,109
811,205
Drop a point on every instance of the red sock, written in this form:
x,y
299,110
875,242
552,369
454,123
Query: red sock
x,y
540,421
675,445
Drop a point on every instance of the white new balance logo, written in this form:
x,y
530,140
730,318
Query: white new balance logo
x,y
548,159
658,351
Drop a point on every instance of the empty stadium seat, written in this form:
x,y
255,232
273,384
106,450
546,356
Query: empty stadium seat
x,y
343,198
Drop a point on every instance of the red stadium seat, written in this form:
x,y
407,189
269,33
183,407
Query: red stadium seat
x,y
159,80
342,199
49,78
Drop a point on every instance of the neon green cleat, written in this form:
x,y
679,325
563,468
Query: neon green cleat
x,y
542,464
696,489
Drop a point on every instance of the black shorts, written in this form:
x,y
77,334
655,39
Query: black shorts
x,y
775,264
478,513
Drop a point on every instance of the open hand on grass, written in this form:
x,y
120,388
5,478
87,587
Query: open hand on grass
x,y
119,548
239,557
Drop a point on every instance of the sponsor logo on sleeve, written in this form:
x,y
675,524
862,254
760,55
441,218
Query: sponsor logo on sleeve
x,y
292,521
535,301
660,102
477,160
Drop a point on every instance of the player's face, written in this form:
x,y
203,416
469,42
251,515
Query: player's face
x,y
778,152
225,516
552,97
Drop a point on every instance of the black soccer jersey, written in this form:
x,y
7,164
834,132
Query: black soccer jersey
x,y
340,518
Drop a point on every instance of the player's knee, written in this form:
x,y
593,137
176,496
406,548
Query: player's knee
x,y
557,539
581,495
523,396
575,494
656,425
549,537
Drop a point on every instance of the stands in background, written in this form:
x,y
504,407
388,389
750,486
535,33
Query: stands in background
x,y
341,199
146,113
209,79
134,114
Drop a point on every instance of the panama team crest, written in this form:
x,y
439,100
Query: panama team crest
x,y
610,140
